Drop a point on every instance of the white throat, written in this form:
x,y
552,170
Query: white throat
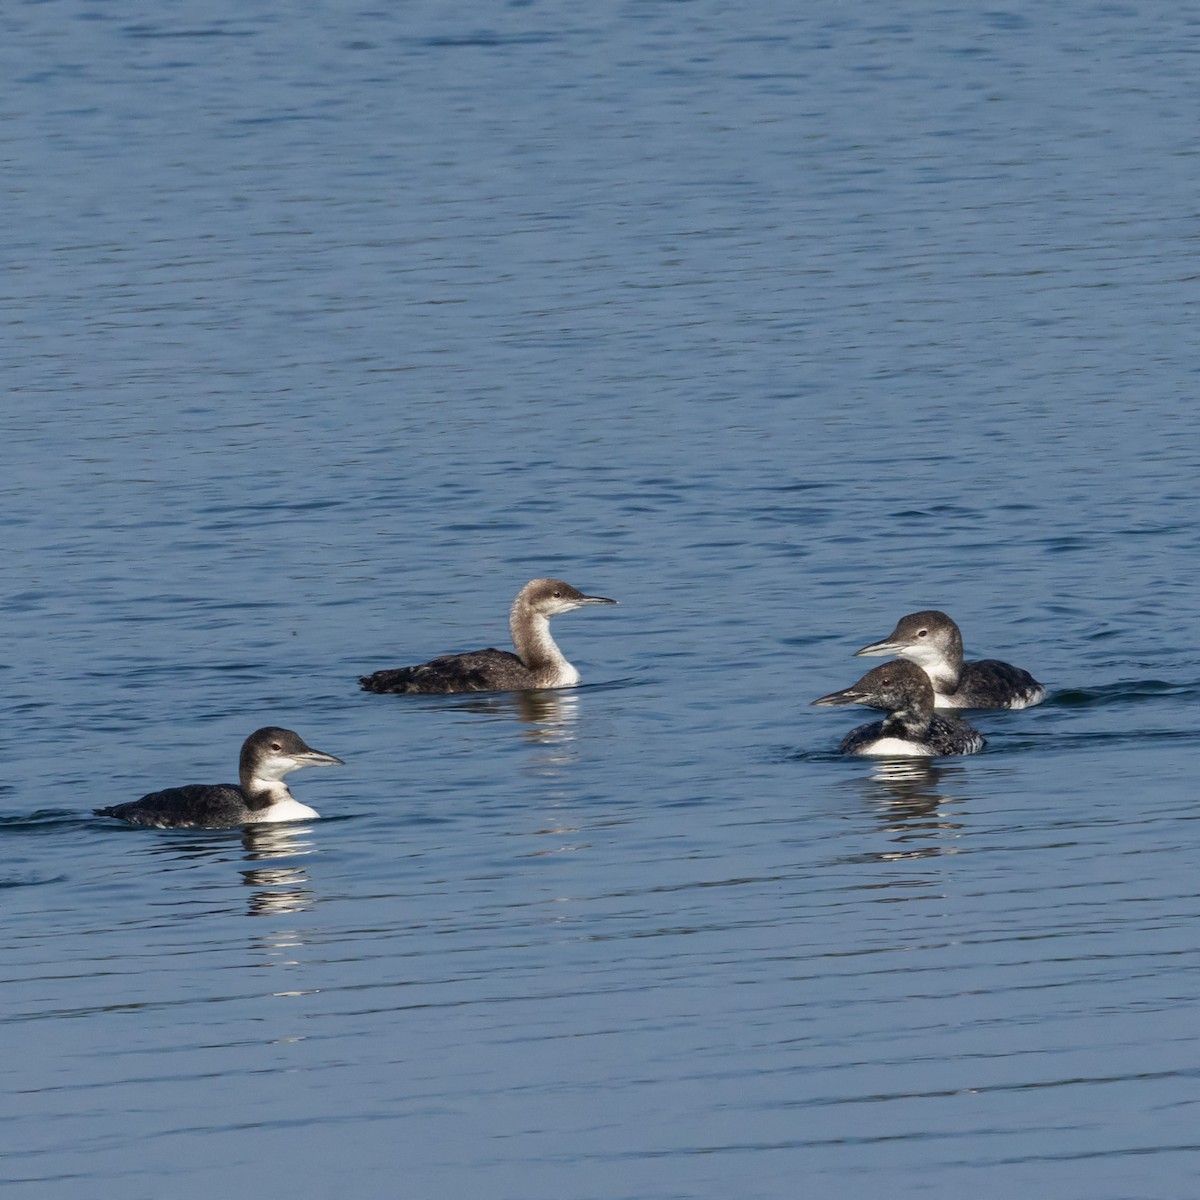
x,y
931,660
276,789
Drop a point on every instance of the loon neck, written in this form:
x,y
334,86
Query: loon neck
x,y
537,649
942,663
910,723
944,674
263,793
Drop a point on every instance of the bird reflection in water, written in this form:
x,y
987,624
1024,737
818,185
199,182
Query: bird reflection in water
x,y
548,723
548,720
545,720
546,716
278,889
912,800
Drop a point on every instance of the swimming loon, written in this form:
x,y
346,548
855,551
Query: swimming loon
x,y
261,795
933,641
911,726
538,662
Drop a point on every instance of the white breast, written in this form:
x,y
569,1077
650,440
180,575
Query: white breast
x,y
286,810
893,747
567,676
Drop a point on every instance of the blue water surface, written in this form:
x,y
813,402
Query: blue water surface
x,y
328,328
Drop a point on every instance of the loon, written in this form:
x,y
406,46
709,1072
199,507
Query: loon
x,y
933,641
538,662
911,728
261,795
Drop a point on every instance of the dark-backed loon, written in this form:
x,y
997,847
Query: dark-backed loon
x,y
933,641
260,795
911,726
538,662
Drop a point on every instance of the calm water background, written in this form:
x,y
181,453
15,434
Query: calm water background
x,y
325,331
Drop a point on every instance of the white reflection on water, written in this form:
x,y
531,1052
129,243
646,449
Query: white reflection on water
x,y
546,718
277,892
277,840
278,889
548,727
546,721
913,799
546,724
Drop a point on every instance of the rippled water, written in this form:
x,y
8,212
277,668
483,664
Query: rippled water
x,y
325,331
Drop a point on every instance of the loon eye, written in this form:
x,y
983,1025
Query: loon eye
x,y
276,746
557,594
922,633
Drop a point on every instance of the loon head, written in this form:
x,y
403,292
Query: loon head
x,y
927,638
895,687
549,597
271,753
